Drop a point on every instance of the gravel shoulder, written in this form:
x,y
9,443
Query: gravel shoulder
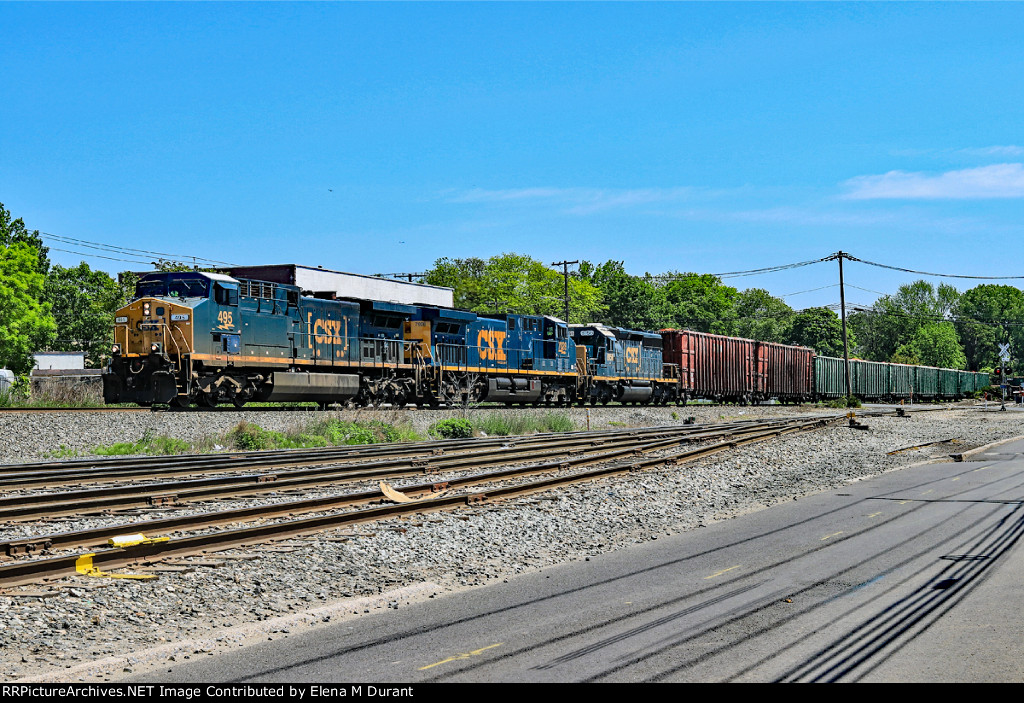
x,y
105,629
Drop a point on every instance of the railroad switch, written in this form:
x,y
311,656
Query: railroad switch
x,y
854,425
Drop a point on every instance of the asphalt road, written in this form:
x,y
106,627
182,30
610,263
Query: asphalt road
x,y
915,575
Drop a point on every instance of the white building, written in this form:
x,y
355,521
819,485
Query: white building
x,y
347,285
59,361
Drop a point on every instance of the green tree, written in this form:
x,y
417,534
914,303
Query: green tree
x,y
933,344
821,330
894,319
985,317
26,324
700,302
464,276
514,283
83,303
759,315
633,302
14,231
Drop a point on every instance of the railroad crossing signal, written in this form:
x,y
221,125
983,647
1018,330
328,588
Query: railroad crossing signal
x,y
1004,351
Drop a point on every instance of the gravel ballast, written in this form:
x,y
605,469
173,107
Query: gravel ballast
x,y
92,629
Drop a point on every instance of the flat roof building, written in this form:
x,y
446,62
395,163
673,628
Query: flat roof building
x,y
317,280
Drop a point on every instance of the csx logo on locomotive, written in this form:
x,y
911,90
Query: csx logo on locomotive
x,y
324,331
491,344
632,355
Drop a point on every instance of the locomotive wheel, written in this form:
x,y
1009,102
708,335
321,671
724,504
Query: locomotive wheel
x,y
203,400
237,402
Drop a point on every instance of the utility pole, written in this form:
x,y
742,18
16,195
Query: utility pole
x,y
565,272
408,276
842,306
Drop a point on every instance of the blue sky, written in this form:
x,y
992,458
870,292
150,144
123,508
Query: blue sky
x,y
378,137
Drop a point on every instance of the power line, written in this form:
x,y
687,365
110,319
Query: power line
x,y
129,251
926,273
99,256
1009,322
866,290
750,272
810,290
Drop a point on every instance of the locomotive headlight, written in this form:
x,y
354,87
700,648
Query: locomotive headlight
x,y
145,309
116,349
155,348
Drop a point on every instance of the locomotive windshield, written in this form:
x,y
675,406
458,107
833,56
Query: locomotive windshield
x,y
174,288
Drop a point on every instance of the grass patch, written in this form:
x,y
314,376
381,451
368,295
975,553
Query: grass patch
x,y
149,444
62,452
503,425
247,436
323,433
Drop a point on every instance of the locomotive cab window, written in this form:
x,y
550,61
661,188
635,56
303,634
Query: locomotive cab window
x,y
225,295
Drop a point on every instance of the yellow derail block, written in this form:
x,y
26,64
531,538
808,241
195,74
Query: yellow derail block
x,y
84,565
133,540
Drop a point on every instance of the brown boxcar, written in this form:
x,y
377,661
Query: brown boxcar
x,y
785,372
713,366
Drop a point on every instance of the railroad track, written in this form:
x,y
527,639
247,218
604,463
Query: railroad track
x,y
96,500
620,456
97,470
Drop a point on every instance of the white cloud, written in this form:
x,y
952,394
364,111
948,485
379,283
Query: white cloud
x,y
995,181
1001,151
1008,150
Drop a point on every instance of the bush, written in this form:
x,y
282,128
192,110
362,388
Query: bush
x,y
253,437
16,394
848,402
453,428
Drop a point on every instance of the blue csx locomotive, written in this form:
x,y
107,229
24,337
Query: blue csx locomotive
x,y
208,338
